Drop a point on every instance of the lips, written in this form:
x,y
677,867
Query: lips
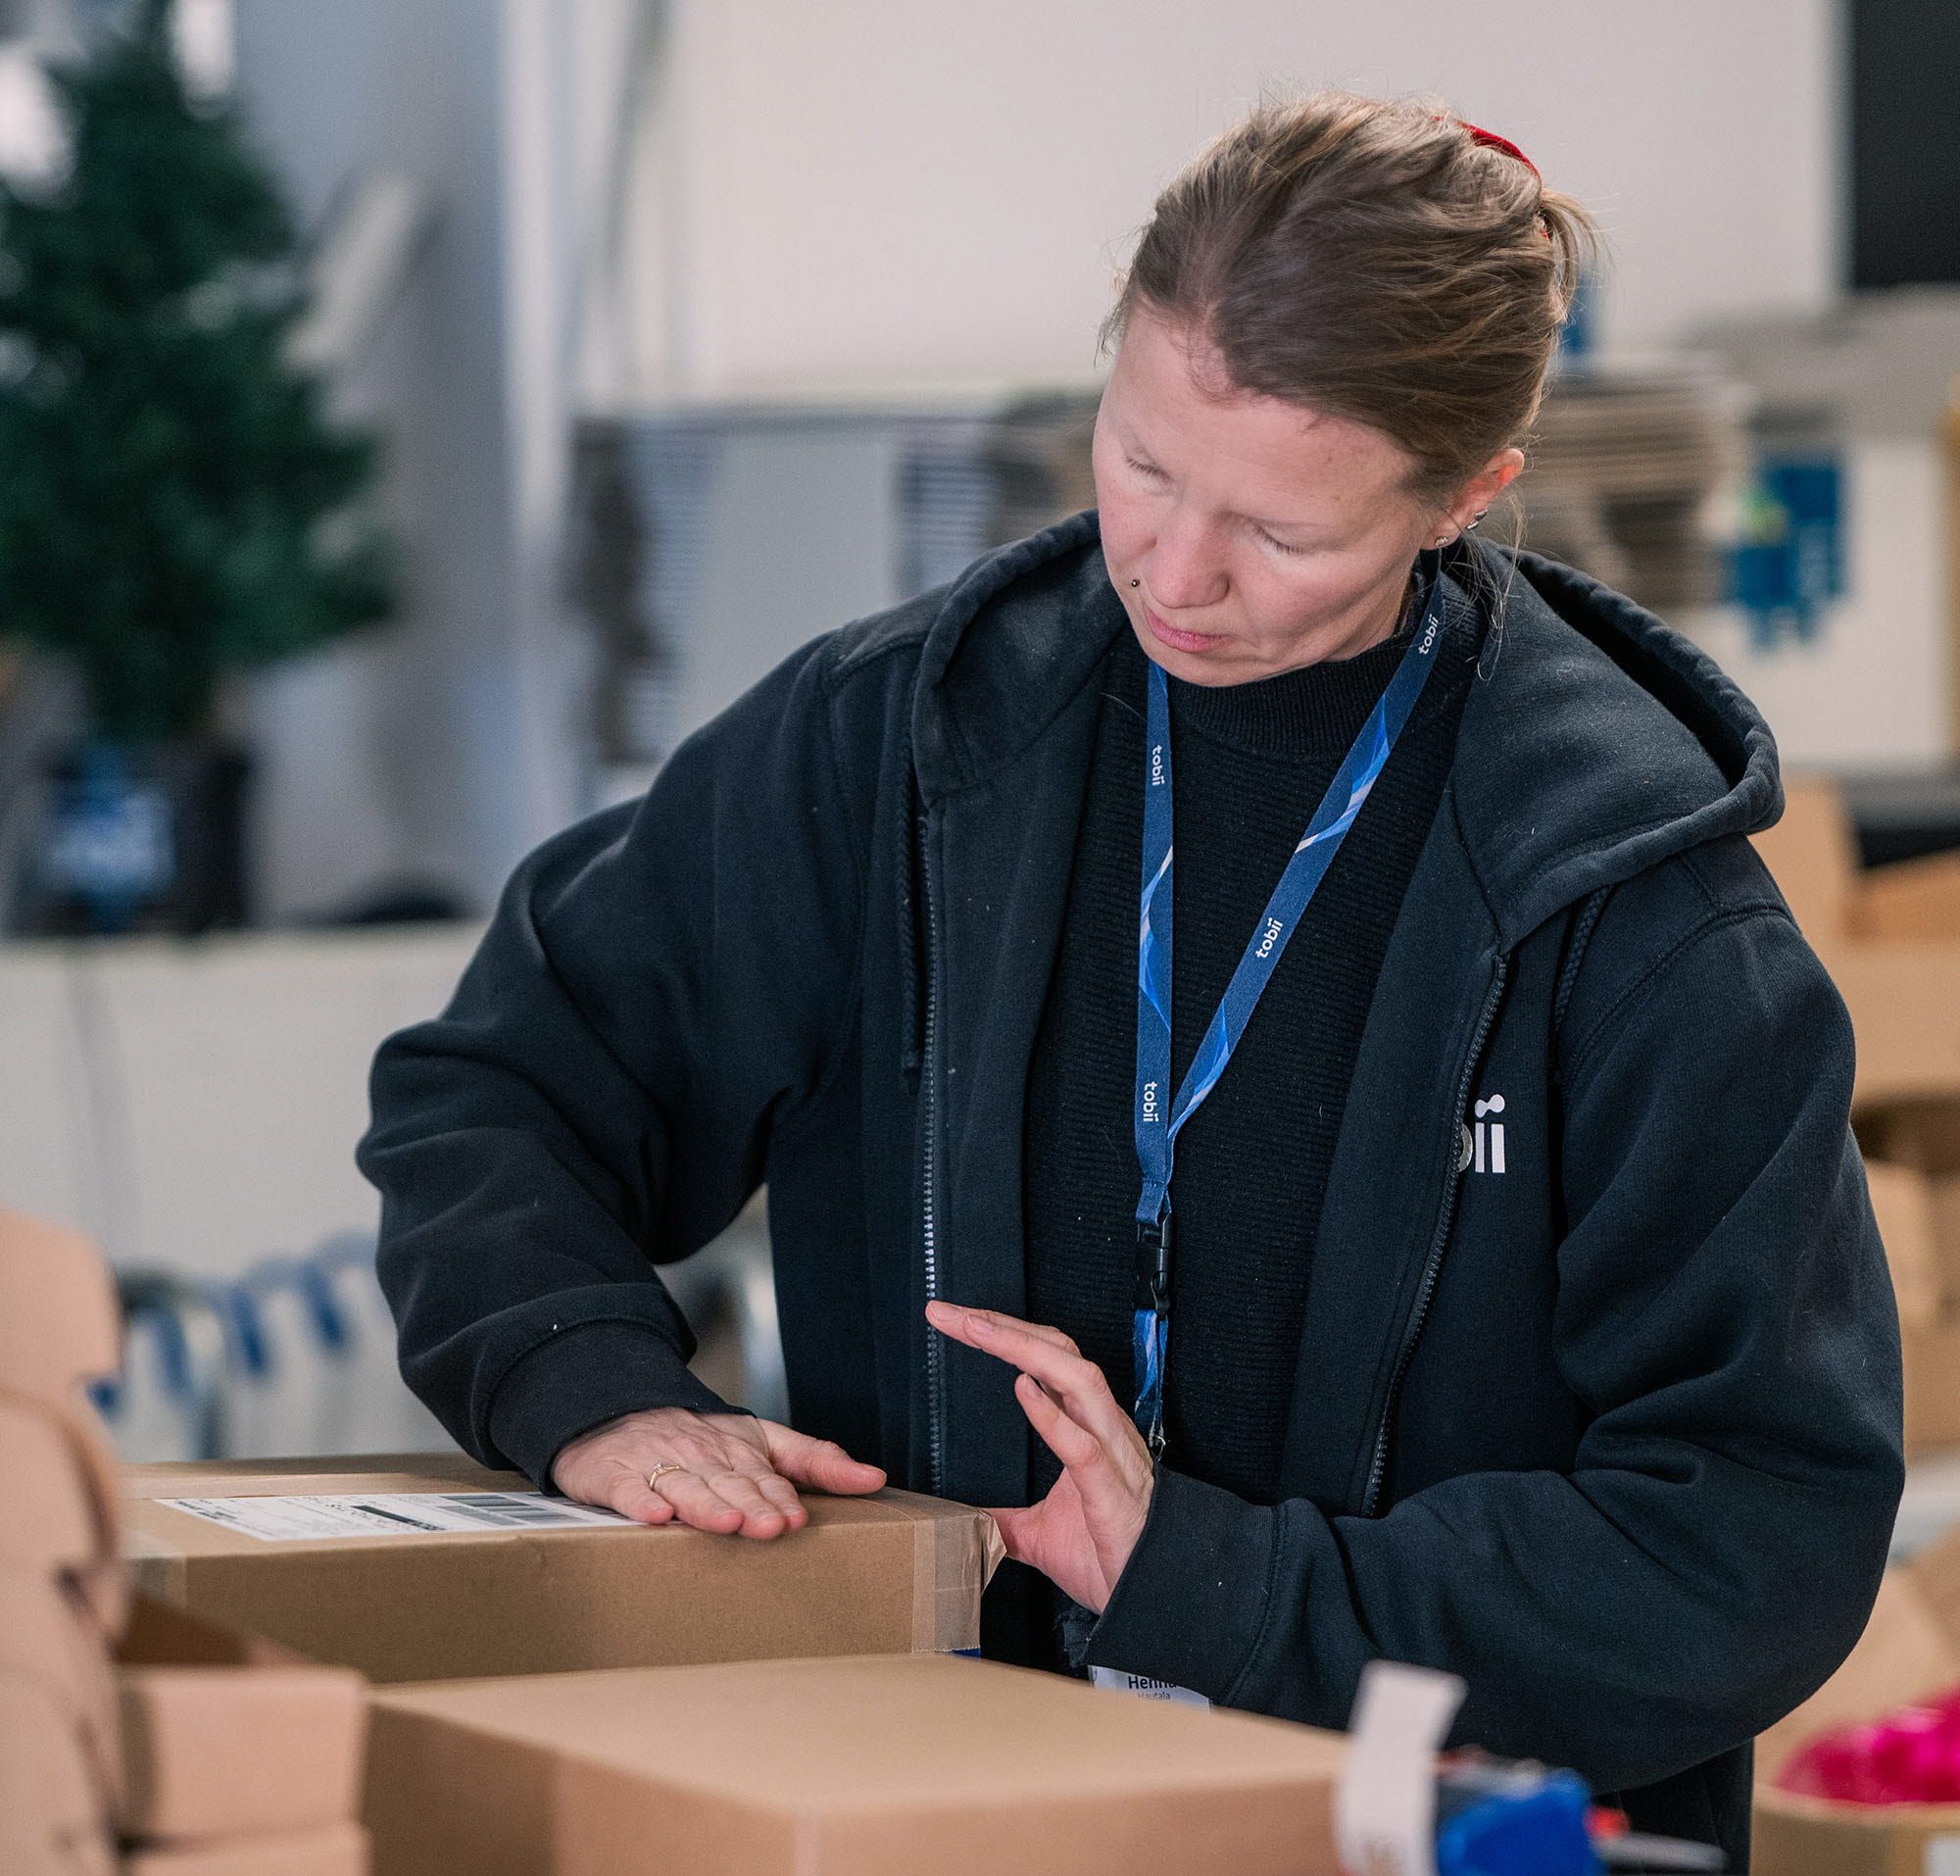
x,y
1178,641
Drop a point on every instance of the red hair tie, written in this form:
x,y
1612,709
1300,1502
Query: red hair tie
x,y
1490,140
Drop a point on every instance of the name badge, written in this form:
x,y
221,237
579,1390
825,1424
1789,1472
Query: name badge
x,y
1145,1688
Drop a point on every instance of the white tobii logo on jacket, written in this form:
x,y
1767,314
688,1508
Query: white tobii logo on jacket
x,y
1482,1147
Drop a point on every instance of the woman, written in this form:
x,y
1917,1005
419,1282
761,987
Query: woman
x,y
1522,1313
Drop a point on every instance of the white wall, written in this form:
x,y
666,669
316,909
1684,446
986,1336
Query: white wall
x,y
448,744
876,187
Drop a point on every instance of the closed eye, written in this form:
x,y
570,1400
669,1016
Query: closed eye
x,y
1279,545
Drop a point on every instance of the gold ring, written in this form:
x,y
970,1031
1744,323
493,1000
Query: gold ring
x,y
653,1477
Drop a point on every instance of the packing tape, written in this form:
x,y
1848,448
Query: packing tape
x,y
954,1559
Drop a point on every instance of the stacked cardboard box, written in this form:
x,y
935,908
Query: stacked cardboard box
x,y
63,1594
1891,941
238,1755
429,1567
874,1766
199,1752
571,1692
1910,1651
1890,937
1912,1163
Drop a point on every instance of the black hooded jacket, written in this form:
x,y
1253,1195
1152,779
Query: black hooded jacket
x,y
1608,1423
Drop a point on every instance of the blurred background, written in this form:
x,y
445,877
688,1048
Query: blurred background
x,y
415,419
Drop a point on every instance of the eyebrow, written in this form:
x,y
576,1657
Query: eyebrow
x,y
1134,447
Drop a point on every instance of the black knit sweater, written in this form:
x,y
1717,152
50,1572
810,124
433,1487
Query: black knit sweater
x,y
1253,762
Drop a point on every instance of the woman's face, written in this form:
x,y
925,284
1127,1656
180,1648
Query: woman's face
x,y
1262,535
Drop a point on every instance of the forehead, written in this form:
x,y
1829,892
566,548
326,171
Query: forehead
x,y
1169,396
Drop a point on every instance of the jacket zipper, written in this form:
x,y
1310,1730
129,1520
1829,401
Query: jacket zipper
x,y
1378,1465
929,1175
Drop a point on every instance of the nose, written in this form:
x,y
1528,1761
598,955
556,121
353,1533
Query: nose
x,y
1184,569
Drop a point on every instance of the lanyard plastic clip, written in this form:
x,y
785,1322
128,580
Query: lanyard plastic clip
x,y
1153,1264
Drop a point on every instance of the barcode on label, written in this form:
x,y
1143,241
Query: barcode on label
x,y
503,1508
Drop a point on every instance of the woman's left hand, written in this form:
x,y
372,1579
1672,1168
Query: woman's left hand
x,y
1081,1535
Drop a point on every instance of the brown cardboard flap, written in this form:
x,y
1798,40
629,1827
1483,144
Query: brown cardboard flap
x,y
1911,902
63,1480
1902,1202
338,1850
60,1322
50,1793
1793,1835
1812,855
49,1637
227,1735
876,1766
1904,1002
1931,1359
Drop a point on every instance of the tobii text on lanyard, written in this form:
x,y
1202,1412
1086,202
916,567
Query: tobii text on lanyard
x,y
1158,1120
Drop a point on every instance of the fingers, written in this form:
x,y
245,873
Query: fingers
x,y
1074,1446
698,1504
822,1464
760,1516
1076,1382
630,1497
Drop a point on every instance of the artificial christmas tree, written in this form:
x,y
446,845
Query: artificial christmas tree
x,y
175,507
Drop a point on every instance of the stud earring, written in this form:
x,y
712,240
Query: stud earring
x,y
1135,582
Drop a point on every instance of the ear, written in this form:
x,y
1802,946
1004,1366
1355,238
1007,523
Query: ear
x,y
1492,481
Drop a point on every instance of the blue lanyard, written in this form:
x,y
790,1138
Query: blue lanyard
x,y
1160,1120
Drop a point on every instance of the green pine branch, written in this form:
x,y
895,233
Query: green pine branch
x,y
176,505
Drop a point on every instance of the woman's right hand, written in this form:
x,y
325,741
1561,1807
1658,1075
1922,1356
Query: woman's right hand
x,y
738,1473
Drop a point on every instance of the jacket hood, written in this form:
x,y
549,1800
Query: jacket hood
x,y
1596,742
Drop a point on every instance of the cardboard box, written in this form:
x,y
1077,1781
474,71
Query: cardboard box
x,y
53,1814
60,1322
50,1640
225,1735
1890,937
1904,1002
324,1472
1911,902
341,1850
881,1766
892,1573
63,1478
1902,1202
1812,853
1910,1649
1913,1169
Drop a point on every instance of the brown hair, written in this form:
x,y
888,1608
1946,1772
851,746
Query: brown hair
x,y
1368,257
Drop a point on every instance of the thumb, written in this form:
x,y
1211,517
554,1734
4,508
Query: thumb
x,y
821,1464
1012,1521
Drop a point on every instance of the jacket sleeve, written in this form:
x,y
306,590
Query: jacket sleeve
x,y
661,986
1725,1316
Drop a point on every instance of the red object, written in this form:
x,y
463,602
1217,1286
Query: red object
x,y
1909,1757
1495,142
